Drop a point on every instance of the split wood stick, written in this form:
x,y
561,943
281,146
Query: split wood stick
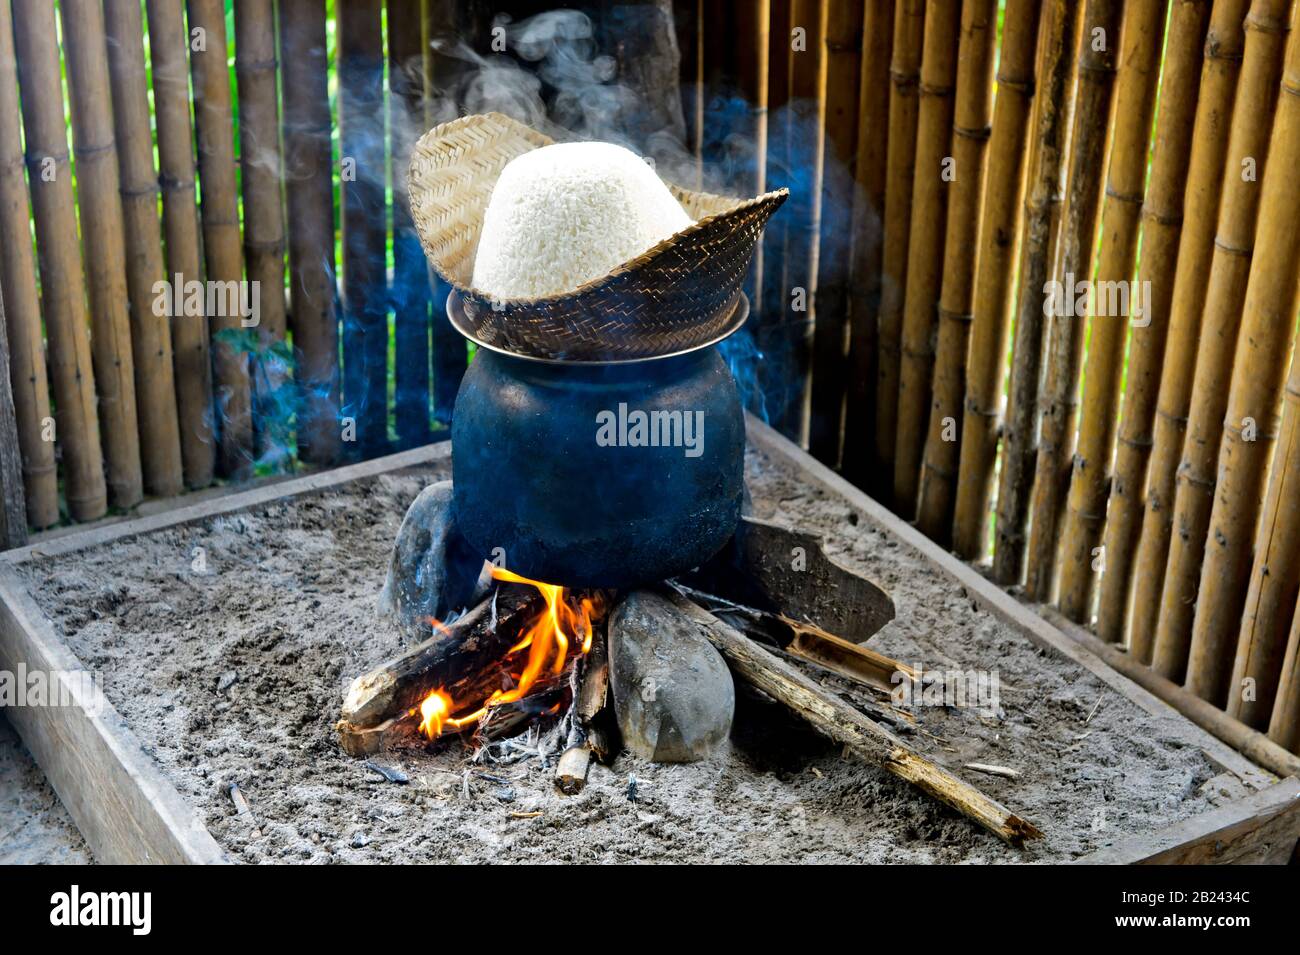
x,y
970,134
361,145
840,722
1214,107
443,22
1251,427
571,771
804,143
925,245
13,508
868,234
1162,226
151,336
222,244
999,244
62,281
309,204
464,652
1275,577
900,172
26,368
191,357
841,80
1284,727
1043,197
410,270
1099,47
264,243
100,205
1142,42
1222,319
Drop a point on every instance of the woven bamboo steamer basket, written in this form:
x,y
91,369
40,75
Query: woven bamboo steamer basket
x,y
676,296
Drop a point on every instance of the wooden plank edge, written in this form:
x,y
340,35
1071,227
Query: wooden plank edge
x,y
1001,604
1260,828
126,810
227,504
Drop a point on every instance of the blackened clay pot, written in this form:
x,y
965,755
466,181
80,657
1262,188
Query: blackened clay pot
x,y
555,479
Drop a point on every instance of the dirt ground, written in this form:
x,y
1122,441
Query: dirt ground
x,y
228,646
34,826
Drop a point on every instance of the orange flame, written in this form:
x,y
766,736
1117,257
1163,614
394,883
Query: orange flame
x,y
548,640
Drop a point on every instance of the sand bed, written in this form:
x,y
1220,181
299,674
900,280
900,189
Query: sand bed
x,y
227,646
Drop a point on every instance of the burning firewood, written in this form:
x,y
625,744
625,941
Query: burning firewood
x,y
842,723
463,657
590,734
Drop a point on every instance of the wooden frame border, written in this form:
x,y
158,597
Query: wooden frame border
x,y
129,812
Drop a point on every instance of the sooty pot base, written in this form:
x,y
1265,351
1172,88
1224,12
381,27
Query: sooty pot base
x,y
598,475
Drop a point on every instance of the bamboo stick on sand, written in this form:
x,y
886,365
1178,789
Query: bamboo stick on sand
x,y
1225,294
1162,224
999,244
1218,90
62,280
1135,101
1099,48
970,134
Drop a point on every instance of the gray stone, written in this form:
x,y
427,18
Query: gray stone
x,y
673,693
432,573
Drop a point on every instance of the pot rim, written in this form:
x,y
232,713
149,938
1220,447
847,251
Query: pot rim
x,y
456,314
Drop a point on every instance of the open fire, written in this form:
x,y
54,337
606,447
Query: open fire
x,y
566,622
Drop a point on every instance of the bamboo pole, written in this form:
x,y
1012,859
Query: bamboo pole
x,y
805,144
1221,320
62,281
410,271
925,246
1284,726
1044,194
1135,102
841,79
1058,403
752,59
868,234
1162,223
100,204
191,358
773,373
309,204
361,145
1275,577
972,118
26,365
151,337
1218,90
13,506
442,23
264,242
999,243
1251,427
900,171
222,244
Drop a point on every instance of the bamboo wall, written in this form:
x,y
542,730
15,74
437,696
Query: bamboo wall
x,y
949,160
1134,466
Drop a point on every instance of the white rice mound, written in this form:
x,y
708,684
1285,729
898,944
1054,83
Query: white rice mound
x,y
568,213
